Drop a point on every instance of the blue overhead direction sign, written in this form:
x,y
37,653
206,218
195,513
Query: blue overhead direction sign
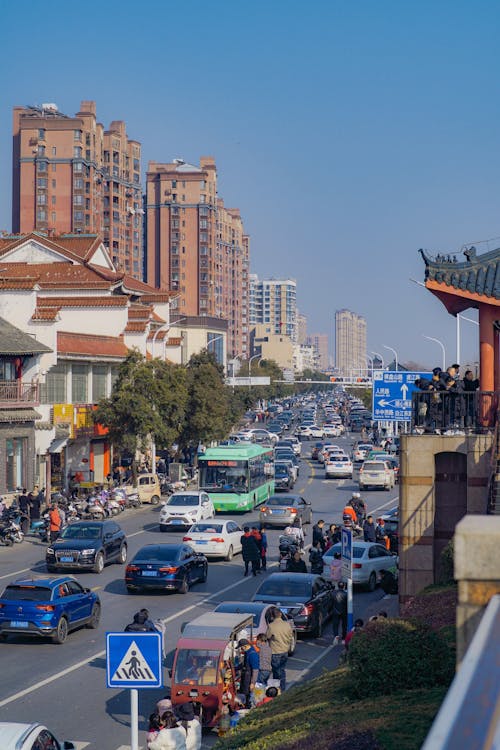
x,y
392,392
133,660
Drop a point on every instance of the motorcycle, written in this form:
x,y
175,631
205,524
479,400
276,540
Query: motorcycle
x,y
111,507
120,496
349,524
288,546
95,510
11,532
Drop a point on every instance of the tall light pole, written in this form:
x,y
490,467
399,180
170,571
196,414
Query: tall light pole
x,y
395,354
431,338
212,341
255,356
165,327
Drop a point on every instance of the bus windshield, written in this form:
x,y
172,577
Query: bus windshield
x,y
222,478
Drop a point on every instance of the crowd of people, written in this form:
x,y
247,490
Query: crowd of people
x,y
446,401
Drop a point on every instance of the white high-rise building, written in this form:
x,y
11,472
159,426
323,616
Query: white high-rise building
x,y
350,342
274,302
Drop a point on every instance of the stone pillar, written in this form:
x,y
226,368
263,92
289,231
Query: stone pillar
x,y
477,572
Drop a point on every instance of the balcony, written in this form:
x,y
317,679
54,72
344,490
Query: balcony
x,y
452,413
15,393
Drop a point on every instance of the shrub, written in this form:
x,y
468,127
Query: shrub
x,y
446,571
393,655
434,607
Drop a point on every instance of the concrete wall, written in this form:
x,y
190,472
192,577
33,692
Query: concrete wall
x,y
418,499
477,571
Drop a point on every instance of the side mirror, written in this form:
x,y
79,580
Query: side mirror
x,y
88,591
170,673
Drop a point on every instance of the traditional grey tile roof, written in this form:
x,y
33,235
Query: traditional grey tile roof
x,y
19,415
14,342
478,274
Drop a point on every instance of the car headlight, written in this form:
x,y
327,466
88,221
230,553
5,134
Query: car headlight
x,y
50,550
88,551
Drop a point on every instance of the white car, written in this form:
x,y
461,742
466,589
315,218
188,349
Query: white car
x,y
182,509
338,467
328,452
331,430
368,559
296,444
376,474
361,451
218,539
16,736
315,431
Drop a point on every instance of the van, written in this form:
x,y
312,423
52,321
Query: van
x,y
148,488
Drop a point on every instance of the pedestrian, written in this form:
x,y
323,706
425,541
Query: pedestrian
x,y
280,637
171,736
332,536
154,727
249,551
339,614
318,534
23,502
271,694
249,670
265,654
336,568
34,503
369,530
189,720
164,704
263,549
296,564
258,538
316,559
55,522
381,534
358,626
470,383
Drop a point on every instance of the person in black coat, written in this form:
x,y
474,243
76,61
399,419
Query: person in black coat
x,y
250,551
316,559
369,530
296,564
318,535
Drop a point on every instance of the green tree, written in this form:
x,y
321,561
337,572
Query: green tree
x,y
148,402
208,411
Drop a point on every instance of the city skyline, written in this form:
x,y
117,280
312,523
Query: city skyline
x,y
401,152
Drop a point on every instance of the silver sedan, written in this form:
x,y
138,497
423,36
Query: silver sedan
x,y
282,510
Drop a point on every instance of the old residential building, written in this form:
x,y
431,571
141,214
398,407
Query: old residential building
x,y
350,342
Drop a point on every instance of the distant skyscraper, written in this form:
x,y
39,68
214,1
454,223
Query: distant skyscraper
x,y
319,341
301,328
350,341
70,175
274,301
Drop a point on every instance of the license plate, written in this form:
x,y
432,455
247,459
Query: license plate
x,y
201,541
149,573
66,559
277,511
177,520
18,624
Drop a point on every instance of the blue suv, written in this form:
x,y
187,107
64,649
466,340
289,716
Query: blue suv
x,y
47,607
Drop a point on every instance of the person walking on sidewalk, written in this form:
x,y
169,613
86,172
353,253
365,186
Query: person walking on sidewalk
x,y
339,616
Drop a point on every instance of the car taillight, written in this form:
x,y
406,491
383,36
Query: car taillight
x,y
264,508
218,539
292,510
45,607
168,570
357,565
187,538
307,609
131,569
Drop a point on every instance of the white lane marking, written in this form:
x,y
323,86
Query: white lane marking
x,y
322,655
81,745
15,573
100,654
392,500
135,533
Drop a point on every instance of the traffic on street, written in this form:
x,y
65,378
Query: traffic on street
x,y
183,567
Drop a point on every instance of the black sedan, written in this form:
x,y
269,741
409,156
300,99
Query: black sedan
x,y
173,567
87,545
306,597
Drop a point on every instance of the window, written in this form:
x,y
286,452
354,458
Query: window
x,y
54,150
78,200
41,215
78,166
78,216
42,166
41,133
53,391
99,379
53,217
54,183
41,150
77,152
79,183
54,167
77,135
53,200
41,182
79,378
174,183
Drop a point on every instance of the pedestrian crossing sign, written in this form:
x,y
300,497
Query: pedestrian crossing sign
x,y
134,660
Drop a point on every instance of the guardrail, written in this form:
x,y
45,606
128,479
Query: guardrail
x,y
468,716
443,411
17,392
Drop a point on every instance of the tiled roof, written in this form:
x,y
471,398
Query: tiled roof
x,y
49,313
174,341
140,312
19,415
162,296
16,342
52,275
102,301
477,276
91,346
157,335
13,284
136,326
79,250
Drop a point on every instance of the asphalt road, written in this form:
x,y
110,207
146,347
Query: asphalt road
x,y
65,686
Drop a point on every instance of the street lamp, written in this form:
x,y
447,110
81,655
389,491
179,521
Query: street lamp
x,y
250,368
395,354
212,341
431,338
165,327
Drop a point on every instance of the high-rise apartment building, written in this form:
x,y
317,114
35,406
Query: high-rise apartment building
x,y
197,246
319,342
274,302
350,342
70,175
301,328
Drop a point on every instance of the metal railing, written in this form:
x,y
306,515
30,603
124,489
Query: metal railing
x,y
444,412
16,392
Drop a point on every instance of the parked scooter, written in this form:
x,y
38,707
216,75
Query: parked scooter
x,y
11,532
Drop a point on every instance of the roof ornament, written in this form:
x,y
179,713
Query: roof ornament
x,y
470,253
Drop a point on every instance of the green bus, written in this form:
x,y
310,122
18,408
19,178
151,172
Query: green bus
x,y
237,478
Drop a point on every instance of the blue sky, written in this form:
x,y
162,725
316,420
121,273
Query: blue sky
x,y
348,133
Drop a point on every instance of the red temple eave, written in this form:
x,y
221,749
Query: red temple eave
x,y
458,300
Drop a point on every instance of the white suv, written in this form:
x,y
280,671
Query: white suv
x,y
16,736
182,509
